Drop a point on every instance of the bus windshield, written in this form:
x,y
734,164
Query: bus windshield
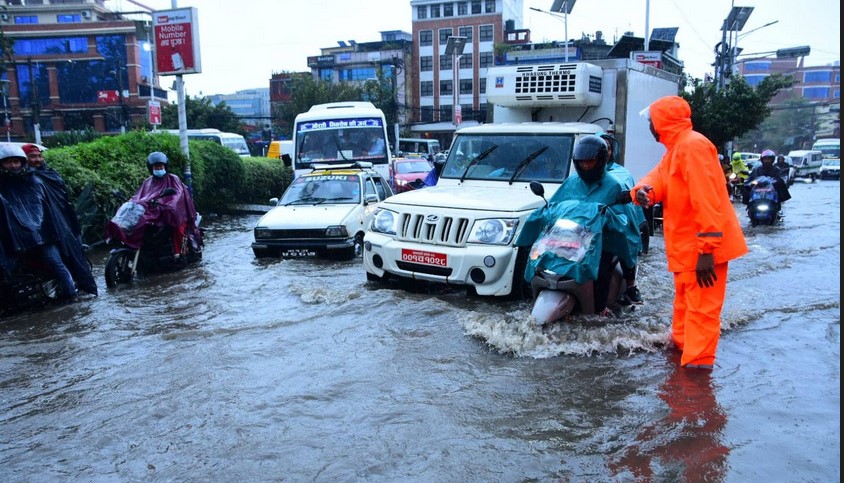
x,y
340,141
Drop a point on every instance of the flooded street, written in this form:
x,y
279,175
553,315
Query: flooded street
x,y
300,370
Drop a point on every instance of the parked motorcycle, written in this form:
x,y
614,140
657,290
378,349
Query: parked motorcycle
x,y
151,249
566,264
763,207
29,284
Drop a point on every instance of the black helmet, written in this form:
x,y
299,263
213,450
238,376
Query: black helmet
x,y
587,148
15,152
156,157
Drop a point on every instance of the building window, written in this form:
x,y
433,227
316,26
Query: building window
x,y
446,87
357,74
422,12
816,92
465,86
426,88
490,6
435,11
476,7
426,63
26,19
817,76
445,62
326,74
445,112
448,10
55,45
466,61
485,33
754,79
444,35
485,60
462,8
75,18
426,38
465,32
757,66
467,112
427,114
482,85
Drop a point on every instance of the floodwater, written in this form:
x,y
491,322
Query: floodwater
x,y
300,370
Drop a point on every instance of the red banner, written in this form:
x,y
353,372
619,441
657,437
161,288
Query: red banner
x,y
176,42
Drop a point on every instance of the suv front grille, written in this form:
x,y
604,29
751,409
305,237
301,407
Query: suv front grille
x,y
433,229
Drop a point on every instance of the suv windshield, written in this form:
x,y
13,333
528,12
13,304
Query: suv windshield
x,y
551,164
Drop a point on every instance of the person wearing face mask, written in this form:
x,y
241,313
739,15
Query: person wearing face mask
x,y
176,211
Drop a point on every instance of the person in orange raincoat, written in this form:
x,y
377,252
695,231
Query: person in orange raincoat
x,y
701,229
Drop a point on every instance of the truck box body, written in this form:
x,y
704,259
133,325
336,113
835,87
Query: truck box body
x,y
462,230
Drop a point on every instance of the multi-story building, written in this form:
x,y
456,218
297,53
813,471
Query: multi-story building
x,y
76,65
251,106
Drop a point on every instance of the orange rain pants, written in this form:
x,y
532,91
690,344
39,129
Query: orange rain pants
x,y
696,323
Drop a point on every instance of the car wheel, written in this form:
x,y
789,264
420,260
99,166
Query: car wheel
x,y
371,277
521,288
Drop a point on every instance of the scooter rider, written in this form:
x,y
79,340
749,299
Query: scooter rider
x,y
767,168
739,167
593,183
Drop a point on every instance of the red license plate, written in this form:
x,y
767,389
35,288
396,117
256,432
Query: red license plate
x,y
424,258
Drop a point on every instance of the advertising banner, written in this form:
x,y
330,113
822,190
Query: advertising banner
x,y
176,41
154,110
653,58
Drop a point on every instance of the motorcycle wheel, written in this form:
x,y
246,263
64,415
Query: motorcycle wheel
x,y
118,269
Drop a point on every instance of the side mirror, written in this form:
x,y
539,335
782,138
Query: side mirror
x,y
285,158
370,198
537,188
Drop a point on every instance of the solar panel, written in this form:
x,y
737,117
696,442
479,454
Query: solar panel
x,y
666,33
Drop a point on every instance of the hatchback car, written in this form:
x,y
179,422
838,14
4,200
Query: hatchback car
x,y
830,169
322,213
406,172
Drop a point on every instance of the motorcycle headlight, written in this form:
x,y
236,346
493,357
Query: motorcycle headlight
x,y
566,239
401,182
262,233
384,221
494,231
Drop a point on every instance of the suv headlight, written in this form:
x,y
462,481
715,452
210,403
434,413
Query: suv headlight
x,y
384,221
494,231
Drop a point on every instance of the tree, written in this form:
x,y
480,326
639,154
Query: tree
x,y
731,112
382,93
200,113
305,91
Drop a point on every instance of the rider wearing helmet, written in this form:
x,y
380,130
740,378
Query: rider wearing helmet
x,y
175,211
767,168
593,183
32,224
738,167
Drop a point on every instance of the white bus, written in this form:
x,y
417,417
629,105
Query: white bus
x,y
426,147
830,148
341,133
235,142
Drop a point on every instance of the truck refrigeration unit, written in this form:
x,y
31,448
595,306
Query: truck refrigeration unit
x,y
462,231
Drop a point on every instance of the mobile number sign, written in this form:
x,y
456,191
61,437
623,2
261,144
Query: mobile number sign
x,y
176,41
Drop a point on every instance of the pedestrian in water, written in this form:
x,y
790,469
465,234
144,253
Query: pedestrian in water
x,y
701,229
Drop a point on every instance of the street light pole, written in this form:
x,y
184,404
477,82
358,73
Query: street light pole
x,y
564,7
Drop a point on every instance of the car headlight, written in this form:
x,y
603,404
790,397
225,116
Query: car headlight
x,y
384,221
494,231
262,233
336,231
401,182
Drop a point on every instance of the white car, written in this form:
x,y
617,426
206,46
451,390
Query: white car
x,y
322,213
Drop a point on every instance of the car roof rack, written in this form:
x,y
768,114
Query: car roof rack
x,y
356,164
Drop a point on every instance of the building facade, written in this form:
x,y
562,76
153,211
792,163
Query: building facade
x,y
251,106
76,65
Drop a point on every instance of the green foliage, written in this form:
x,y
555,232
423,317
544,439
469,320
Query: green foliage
x,y
69,138
218,178
790,126
306,92
201,113
264,178
729,113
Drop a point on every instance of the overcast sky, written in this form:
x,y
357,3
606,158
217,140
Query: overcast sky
x,y
244,42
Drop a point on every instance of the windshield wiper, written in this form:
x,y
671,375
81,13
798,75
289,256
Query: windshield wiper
x,y
307,199
477,159
527,161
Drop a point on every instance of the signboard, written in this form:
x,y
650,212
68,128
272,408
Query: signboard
x,y
653,58
154,111
458,114
176,41
108,97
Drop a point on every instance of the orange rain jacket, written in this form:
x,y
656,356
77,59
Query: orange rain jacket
x,y
698,216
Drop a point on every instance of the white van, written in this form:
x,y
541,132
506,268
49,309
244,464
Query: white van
x,y
807,163
830,148
235,142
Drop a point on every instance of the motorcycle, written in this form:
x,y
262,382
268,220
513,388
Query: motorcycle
x,y
735,186
144,246
29,284
763,207
566,265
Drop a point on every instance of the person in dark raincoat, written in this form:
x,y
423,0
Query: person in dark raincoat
x,y
33,223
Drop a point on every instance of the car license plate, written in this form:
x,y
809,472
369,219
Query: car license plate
x,y
298,252
424,257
